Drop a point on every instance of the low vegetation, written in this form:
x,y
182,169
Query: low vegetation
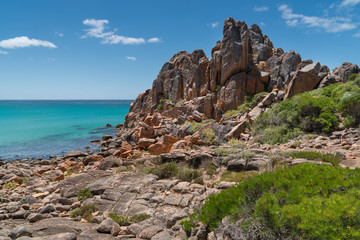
x,y
311,112
323,157
195,126
84,211
123,221
11,185
171,170
230,176
249,103
307,201
83,194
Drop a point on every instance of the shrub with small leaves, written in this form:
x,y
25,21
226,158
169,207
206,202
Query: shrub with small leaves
x,y
84,194
84,211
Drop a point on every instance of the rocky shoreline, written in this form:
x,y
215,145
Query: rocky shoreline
x,y
178,146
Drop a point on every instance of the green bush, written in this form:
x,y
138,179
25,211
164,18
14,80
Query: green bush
x,y
349,105
84,211
310,112
159,106
166,170
236,143
307,201
229,176
210,137
195,126
250,102
188,174
122,221
330,158
83,194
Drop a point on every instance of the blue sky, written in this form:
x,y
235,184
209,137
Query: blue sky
x,y
112,49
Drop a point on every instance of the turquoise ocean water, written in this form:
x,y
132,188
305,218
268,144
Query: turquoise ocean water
x,y
39,128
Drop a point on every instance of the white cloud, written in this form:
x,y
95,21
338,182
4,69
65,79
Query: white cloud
x,y
349,3
214,24
3,52
59,34
261,9
115,39
97,30
357,35
20,42
154,40
262,24
331,24
131,58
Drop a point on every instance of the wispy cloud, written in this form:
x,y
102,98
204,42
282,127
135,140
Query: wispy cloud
x,y
50,59
97,29
59,34
213,25
21,42
331,24
131,58
261,9
3,52
357,35
349,3
154,40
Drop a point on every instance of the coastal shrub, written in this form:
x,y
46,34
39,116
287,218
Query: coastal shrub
x,y
210,169
210,137
230,176
84,211
312,155
246,155
11,185
188,174
249,103
221,151
83,194
166,170
123,169
236,143
349,105
123,221
159,106
139,217
307,201
195,126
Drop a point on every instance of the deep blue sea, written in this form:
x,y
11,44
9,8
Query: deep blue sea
x,y
39,128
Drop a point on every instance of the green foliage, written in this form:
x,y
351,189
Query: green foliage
x,y
307,201
83,194
210,169
159,106
330,158
349,105
310,112
210,137
84,211
352,77
11,185
123,169
166,170
148,170
221,151
236,143
188,174
195,126
250,102
139,217
229,176
247,155
122,221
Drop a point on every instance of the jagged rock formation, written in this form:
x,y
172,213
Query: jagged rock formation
x,y
190,87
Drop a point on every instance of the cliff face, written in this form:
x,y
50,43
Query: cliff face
x,y
192,87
